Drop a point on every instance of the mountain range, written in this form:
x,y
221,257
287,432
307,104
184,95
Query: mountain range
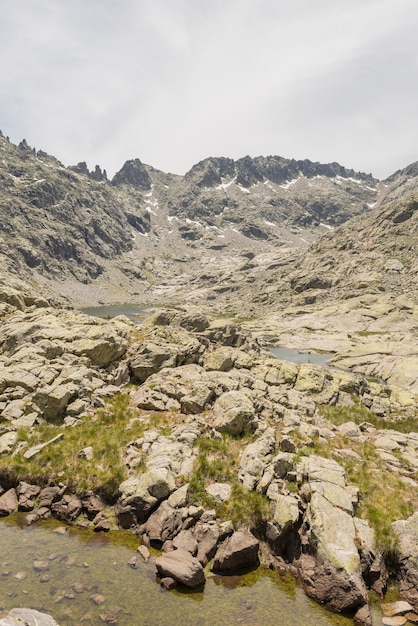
x,y
267,229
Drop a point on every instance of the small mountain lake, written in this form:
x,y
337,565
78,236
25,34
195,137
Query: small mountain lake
x,y
291,354
87,580
135,312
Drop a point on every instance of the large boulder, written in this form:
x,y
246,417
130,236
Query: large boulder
x,y
234,413
182,566
67,509
54,399
238,551
142,493
100,347
150,358
207,535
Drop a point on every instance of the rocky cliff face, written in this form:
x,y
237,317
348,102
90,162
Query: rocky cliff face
x,y
59,222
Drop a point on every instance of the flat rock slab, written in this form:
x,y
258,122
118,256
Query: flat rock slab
x,y
398,620
396,608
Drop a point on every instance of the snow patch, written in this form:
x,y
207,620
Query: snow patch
x,y
326,225
170,218
224,185
189,221
269,223
289,183
270,186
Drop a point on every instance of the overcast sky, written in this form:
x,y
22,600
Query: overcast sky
x,y
174,81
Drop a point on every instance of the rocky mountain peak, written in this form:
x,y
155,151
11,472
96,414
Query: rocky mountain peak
x,y
134,173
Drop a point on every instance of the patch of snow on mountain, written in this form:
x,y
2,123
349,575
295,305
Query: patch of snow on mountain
x,y
270,223
289,183
270,186
170,218
225,185
326,225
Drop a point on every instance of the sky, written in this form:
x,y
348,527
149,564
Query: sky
x,y
172,82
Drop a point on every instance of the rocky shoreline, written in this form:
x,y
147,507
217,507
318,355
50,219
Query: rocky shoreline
x,y
229,453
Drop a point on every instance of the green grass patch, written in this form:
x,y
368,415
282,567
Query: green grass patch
x,y
108,432
358,414
384,497
218,461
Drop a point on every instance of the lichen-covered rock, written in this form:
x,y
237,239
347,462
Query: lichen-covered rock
x,y
221,359
233,413
143,492
54,399
310,378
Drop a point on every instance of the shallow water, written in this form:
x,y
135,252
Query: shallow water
x,y
133,311
98,564
291,354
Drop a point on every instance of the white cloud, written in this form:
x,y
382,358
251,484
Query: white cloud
x,y
174,81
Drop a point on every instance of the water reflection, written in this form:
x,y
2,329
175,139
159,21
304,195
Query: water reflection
x,y
134,312
291,354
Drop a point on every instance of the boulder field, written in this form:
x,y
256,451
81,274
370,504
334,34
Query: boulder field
x,y
231,457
